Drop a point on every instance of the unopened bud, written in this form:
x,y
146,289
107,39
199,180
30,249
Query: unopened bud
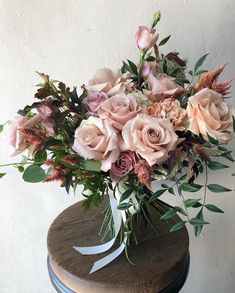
x,y
156,18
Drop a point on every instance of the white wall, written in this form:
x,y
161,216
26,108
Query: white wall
x,y
70,40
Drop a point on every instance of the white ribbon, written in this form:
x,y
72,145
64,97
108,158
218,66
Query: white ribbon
x,y
119,216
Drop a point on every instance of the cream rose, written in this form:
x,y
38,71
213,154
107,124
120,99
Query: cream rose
x,y
209,114
152,138
119,109
96,139
107,81
161,85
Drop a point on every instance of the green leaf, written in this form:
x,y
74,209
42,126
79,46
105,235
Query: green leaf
x,y
213,208
124,206
191,202
212,139
1,128
126,194
190,187
171,190
180,210
216,166
200,62
197,221
233,123
133,67
20,169
40,156
168,215
164,41
2,174
34,174
92,165
217,188
233,174
156,194
150,58
198,228
177,226
200,72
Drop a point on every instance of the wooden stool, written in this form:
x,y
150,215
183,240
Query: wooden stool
x,y
161,262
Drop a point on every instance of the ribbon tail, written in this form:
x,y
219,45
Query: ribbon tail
x,y
117,218
107,259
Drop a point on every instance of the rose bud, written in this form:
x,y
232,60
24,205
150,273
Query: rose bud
x,y
146,38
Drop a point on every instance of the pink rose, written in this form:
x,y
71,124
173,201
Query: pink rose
x,y
96,139
146,37
123,166
170,109
105,80
160,86
119,109
152,138
93,101
209,114
29,133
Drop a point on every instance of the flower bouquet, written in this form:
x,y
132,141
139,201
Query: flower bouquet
x,y
151,121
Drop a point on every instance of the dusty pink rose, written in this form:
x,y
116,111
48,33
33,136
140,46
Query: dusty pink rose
x,y
107,81
152,138
93,101
123,166
170,109
209,114
161,85
146,37
97,139
29,133
44,110
119,109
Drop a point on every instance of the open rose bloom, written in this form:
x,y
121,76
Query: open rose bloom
x,y
143,122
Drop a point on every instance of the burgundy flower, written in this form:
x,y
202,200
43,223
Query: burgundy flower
x,y
94,100
123,166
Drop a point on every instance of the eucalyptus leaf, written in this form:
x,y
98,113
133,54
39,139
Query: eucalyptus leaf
x,y
2,174
168,215
197,221
217,188
177,226
124,206
200,62
216,165
92,165
164,41
190,187
126,194
34,174
213,208
191,202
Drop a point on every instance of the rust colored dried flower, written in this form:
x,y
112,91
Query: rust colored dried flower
x,y
58,172
71,160
142,169
209,80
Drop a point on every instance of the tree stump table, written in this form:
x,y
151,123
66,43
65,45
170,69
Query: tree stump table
x,y
161,262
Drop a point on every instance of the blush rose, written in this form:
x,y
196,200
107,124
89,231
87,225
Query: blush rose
x,y
119,109
97,139
152,138
209,114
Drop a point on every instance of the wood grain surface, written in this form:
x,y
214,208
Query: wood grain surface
x,y
158,260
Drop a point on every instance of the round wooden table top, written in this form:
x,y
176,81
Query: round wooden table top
x,y
158,260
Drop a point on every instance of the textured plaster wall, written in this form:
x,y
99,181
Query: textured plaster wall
x,y
70,40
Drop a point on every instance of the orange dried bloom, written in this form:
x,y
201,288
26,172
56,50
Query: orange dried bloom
x,y
209,80
142,169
